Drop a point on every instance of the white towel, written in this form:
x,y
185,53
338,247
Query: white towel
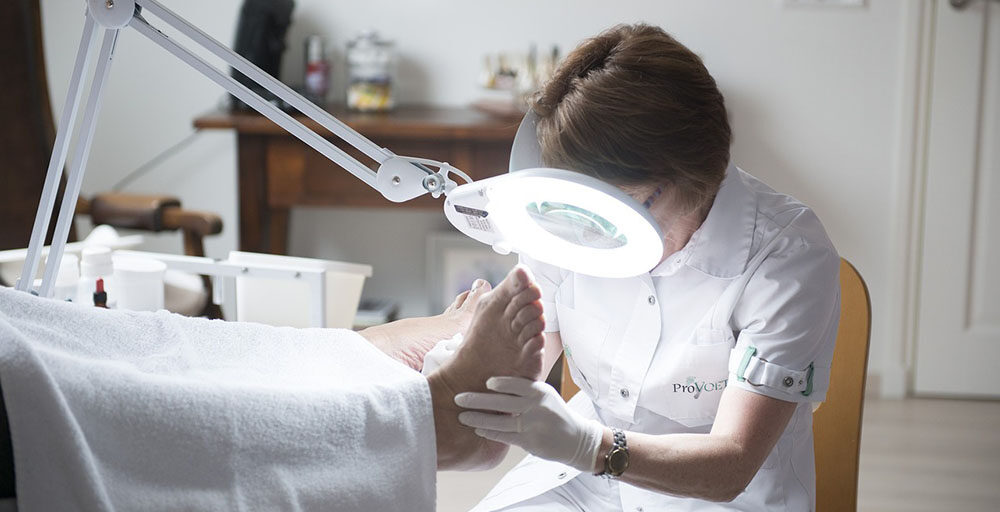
x,y
117,410
442,352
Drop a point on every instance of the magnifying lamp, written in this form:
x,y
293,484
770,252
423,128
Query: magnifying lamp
x,y
561,217
556,216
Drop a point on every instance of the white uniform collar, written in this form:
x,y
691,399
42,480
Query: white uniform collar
x,y
721,246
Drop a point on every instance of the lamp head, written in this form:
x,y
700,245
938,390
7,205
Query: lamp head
x,y
556,216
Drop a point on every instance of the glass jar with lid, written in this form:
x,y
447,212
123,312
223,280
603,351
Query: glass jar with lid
x,y
371,69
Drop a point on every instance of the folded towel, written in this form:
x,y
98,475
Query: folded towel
x,y
118,410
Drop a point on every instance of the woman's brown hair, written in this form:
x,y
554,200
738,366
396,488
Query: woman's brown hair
x,y
632,106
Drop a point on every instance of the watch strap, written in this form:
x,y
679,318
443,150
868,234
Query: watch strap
x,y
618,445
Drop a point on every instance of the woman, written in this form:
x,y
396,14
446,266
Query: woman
x,y
697,379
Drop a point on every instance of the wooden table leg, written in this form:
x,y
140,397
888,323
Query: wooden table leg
x,y
262,229
277,231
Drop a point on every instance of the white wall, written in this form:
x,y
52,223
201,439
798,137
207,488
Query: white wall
x,y
812,94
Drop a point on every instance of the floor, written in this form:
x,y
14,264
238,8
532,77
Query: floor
x,y
930,455
916,455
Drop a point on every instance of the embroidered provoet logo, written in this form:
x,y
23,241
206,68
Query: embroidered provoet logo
x,y
695,387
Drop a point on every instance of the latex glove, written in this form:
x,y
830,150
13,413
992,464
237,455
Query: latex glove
x,y
535,418
443,351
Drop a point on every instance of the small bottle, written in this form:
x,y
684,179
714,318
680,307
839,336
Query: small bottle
x,y
100,296
95,264
317,76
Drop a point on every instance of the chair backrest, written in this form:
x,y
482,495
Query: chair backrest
x,y
567,388
837,423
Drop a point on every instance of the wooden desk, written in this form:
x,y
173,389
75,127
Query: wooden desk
x,y
277,171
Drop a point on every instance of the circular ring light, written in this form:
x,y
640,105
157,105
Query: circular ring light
x,y
575,221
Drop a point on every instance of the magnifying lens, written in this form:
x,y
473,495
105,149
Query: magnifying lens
x,y
561,217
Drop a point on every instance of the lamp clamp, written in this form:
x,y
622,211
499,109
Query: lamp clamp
x,y
401,178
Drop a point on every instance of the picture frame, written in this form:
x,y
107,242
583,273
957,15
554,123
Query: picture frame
x,y
455,261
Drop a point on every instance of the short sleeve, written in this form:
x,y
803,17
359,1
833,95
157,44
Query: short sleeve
x,y
787,321
549,278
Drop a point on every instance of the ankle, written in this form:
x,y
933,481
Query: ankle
x,y
451,452
443,390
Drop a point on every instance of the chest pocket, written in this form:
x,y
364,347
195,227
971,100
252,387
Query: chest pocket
x,y
686,379
583,338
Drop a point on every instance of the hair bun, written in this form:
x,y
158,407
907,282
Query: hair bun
x,y
592,55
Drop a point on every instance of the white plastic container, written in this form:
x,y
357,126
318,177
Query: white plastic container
x,y
12,260
138,283
286,302
68,278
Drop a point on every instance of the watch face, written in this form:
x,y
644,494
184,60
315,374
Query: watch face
x,y
617,461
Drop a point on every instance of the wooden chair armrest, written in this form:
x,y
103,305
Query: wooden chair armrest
x,y
199,223
148,212
132,211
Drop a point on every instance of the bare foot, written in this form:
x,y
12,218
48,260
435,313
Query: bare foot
x,y
409,339
504,338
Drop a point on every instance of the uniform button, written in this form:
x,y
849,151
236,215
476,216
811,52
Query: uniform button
x,y
624,393
788,382
638,509
652,300
561,475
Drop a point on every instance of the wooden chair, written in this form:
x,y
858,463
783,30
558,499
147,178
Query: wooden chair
x,y
837,423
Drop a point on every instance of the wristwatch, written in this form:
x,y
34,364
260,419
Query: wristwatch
x,y
616,461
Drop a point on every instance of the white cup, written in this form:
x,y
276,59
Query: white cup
x,y
139,283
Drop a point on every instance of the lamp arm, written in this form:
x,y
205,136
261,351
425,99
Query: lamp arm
x,y
269,110
398,178
271,84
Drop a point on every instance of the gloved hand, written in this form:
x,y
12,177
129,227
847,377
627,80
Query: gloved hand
x,y
443,351
535,418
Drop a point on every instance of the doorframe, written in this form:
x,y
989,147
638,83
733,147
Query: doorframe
x,y
910,173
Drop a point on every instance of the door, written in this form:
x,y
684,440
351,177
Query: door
x,y
958,327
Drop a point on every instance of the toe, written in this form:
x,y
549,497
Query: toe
x,y
517,280
531,359
531,329
534,344
479,289
458,302
526,315
525,297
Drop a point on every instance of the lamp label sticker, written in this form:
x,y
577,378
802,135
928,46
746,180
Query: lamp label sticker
x,y
475,217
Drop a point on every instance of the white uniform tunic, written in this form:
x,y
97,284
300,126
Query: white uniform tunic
x,y
752,300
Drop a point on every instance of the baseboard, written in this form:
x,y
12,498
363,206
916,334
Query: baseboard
x,y
893,382
873,386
